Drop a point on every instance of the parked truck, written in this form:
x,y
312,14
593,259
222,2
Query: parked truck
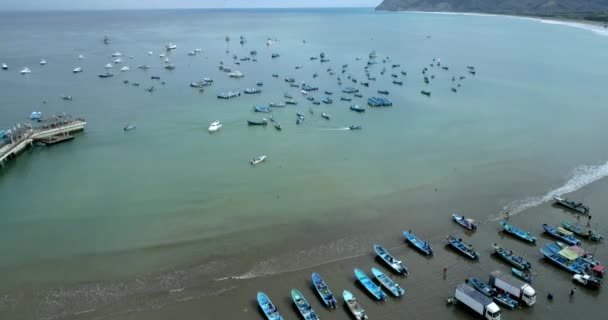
x,y
476,301
514,287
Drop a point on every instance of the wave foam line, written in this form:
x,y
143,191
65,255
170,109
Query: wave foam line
x,y
595,29
582,176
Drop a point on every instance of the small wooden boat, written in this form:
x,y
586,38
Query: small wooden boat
x,y
106,75
383,91
325,115
506,300
262,122
508,255
464,248
465,222
425,92
522,275
369,285
291,102
387,283
357,108
354,306
303,306
576,206
480,286
277,126
257,160
323,291
518,233
417,243
561,234
395,264
271,312
583,232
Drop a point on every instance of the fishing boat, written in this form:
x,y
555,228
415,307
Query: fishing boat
x,y
66,97
398,82
465,222
417,243
170,46
462,247
236,74
358,95
387,283
42,62
561,234
257,160
325,115
323,291
129,126
506,300
480,286
116,54
263,109
214,126
106,75
4,66
580,252
570,263
356,108
518,233
252,90
369,285
588,280
276,105
354,306
425,92
125,68
576,206
508,255
395,264
345,99
269,309
25,70
355,127
287,96
383,91
316,103
527,277
262,122
277,126
309,98
143,66
291,102
303,306
583,232
327,100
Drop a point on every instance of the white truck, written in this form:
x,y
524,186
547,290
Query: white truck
x,y
476,301
514,287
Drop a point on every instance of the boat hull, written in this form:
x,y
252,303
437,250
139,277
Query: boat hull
x,y
323,291
269,309
371,287
417,243
395,264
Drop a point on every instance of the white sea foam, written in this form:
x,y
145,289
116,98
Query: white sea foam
x,y
581,176
595,29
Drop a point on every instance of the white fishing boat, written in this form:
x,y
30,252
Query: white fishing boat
x,y
257,160
197,50
125,68
191,53
166,60
162,55
77,70
150,53
26,70
42,62
108,66
118,60
80,56
236,74
4,66
215,125
116,54
170,46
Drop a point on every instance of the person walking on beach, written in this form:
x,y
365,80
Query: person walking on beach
x,y
588,220
572,291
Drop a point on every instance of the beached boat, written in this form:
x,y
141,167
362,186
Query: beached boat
x,y
395,264
303,306
323,291
354,306
387,283
357,108
262,122
214,126
465,222
269,309
325,115
506,300
369,285
570,263
527,277
588,280
129,127
480,286
561,234
263,109
508,255
580,252
257,160
462,247
576,206
583,232
518,233
417,243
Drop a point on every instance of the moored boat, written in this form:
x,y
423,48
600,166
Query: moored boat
x,y
129,127
257,160
561,234
357,108
462,247
583,232
570,263
508,255
576,206
263,109
355,127
4,66
506,300
465,222
422,246
269,309
325,115
518,233
354,306
106,75
369,285
303,306
395,264
387,283
277,126
25,70
276,105
323,291
262,122
480,286
214,126
527,277
588,280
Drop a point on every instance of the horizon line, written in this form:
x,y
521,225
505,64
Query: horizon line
x,y
180,8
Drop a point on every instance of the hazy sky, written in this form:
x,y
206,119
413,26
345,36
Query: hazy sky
x,y
151,4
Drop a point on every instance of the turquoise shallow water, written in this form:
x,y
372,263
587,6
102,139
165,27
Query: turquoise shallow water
x,y
169,193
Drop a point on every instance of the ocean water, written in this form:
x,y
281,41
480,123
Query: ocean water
x,y
118,216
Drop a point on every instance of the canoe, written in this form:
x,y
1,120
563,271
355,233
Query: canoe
x,y
518,233
417,243
583,232
506,300
464,248
563,235
269,309
522,275
303,306
395,264
387,283
353,305
369,285
465,222
508,255
480,286
323,291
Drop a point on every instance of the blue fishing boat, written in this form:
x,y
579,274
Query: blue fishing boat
x,y
269,309
571,251
303,306
506,300
369,285
522,275
264,109
480,286
572,265
518,233
323,291
419,244
508,255
357,108
354,306
464,248
561,234
395,264
465,222
583,232
387,283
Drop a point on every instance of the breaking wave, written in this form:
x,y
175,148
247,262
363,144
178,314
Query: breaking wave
x,y
595,29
